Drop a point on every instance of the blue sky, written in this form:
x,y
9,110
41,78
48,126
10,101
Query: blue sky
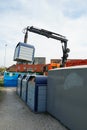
x,y
67,17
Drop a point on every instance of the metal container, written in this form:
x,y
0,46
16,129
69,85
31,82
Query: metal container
x,y
24,52
24,87
67,96
19,85
36,93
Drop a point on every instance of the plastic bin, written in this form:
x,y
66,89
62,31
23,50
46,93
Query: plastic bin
x,y
36,93
10,79
24,87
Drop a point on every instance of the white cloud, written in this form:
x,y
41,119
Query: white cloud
x,y
75,8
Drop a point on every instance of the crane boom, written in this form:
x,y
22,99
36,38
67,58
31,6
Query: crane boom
x,y
47,33
52,35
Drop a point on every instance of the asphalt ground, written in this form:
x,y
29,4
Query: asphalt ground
x,y
16,115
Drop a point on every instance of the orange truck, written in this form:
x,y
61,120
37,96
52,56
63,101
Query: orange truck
x,y
44,68
76,62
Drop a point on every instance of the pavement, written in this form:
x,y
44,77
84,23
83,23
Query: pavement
x,y
16,115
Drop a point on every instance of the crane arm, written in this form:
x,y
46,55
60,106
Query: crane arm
x,y
47,33
52,35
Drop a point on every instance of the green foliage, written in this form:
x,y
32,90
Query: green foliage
x,y
1,83
2,69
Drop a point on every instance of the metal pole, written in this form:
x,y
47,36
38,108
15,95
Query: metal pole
x,y
26,37
5,56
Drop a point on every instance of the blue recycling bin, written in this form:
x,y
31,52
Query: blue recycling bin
x,y
24,87
10,79
19,85
36,93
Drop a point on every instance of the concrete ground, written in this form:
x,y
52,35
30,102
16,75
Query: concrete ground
x,y
15,115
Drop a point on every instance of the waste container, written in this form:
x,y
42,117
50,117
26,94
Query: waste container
x,y
36,93
24,52
24,87
19,85
10,79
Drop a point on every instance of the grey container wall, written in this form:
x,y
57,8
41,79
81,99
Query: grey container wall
x,y
24,87
37,92
67,96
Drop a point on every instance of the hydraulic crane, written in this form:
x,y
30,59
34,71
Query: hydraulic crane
x,y
53,35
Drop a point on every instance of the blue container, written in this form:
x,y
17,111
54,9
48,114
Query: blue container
x,y
24,52
24,87
10,79
19,85
36,93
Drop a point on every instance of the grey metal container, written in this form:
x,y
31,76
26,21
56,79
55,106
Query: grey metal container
x,y
24,87
19,85
36,94
24,52
67,96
